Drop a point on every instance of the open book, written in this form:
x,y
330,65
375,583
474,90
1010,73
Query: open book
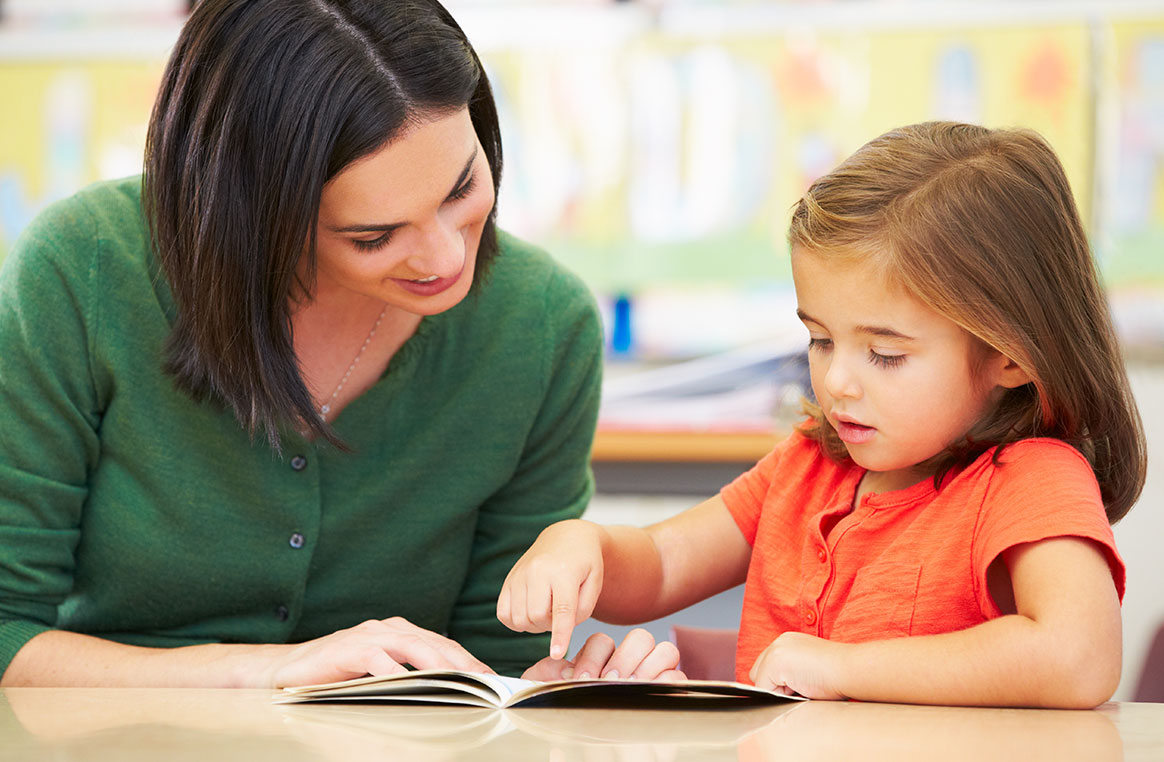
x,y
474,689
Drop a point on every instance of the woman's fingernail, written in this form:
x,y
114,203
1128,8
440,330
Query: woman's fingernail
x,y
584,676
612,675
567,673
557,652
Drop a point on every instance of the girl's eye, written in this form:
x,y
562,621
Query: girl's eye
x,y
375,243
886,361
820,344
465,189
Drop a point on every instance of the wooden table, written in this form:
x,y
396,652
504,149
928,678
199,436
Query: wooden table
x,y
127,725
675,462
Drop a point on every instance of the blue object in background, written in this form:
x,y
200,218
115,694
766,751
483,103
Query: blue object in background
x,y
621,336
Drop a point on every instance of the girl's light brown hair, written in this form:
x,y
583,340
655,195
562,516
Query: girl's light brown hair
x,y
980,225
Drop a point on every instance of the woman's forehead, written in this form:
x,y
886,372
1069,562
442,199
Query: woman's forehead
x,y
411,173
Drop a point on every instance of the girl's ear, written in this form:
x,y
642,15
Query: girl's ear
x,y
1006,372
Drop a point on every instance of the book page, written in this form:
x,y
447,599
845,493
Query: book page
x,y
434,686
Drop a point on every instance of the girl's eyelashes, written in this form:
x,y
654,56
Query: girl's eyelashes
x,y
878,359
886,361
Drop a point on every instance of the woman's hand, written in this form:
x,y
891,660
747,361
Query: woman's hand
x,y
375,647
637,658
801,664
556,584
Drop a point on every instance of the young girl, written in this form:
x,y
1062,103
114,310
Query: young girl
x,y
939,530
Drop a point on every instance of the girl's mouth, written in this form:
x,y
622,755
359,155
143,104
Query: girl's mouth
x,y
854,433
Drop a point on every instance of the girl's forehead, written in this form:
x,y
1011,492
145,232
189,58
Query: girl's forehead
x,y
847,291
868,267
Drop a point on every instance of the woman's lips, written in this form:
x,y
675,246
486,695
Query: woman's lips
x,y
854,433
428,288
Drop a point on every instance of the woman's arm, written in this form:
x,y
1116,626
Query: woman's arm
x,y
622,574
1061,649
377,647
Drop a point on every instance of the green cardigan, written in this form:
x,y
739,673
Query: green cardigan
x,y
130,512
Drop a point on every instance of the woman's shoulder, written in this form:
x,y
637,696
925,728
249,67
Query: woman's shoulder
x,y
101,205
101,217
68,235
526,270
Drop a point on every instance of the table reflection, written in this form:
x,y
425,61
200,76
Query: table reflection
x,y
93,725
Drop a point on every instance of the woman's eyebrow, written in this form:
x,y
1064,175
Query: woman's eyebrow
x,y
378,227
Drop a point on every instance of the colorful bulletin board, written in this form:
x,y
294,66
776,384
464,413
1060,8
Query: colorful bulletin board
x,y
666,163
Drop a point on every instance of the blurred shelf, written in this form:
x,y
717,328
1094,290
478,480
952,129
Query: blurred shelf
x,y
625,445
694,463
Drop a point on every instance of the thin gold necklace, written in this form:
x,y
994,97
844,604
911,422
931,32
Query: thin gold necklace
x,y
325,408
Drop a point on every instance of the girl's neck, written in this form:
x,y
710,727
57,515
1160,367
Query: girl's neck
x,y
878,482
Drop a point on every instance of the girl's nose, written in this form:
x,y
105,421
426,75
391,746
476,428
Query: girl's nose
x,y
840,380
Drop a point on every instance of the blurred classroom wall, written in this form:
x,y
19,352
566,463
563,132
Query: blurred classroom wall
x,y
657,147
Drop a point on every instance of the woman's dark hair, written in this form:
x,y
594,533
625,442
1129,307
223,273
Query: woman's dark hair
x,y
981,226
262,102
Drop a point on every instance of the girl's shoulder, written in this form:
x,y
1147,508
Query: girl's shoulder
x,y
1037,455
802,455
1037,470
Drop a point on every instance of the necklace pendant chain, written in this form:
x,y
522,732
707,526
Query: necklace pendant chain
x,y
325,408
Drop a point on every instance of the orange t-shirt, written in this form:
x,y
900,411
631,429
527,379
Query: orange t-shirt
x,y
908,562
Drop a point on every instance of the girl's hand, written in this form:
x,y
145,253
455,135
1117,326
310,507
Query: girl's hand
x,y
802,664
556,584
375,647
637,658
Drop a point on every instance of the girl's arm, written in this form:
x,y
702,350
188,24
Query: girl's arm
x,y
1061,649
621,574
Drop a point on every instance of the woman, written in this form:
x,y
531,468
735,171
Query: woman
x,y
290,406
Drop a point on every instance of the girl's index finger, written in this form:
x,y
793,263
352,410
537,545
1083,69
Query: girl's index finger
x,y
563,608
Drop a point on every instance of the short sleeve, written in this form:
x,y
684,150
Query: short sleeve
x,y
744,495
1040,489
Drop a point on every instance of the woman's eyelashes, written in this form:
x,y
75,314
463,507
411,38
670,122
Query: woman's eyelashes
x,y
376,243
876,358
465,189
381,241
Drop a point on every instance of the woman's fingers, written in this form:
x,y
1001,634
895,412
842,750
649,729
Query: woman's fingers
x,y
423,649
593,656
663,658
630,653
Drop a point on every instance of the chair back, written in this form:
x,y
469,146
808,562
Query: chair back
x,y
1151,685
706,653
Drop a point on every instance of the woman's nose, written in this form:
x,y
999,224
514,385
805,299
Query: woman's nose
x,y
439,250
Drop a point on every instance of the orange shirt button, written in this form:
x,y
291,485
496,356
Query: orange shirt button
x,y
821,555
810,616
